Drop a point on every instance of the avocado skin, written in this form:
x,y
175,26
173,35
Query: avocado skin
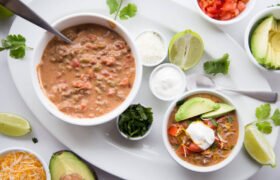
x,y
62,160
195,107
224,108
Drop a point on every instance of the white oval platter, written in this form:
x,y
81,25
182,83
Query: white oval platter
x,y
102,145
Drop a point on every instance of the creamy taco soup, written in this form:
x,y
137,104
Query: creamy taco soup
x,y
90,77
209,132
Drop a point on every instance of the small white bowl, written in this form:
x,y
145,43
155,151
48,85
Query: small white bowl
x,y
15,149
133,138
77,19
275,11
249,7
183,82
164,43
188,165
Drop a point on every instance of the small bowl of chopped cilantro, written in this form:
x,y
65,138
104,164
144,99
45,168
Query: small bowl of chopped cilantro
x,y
135,122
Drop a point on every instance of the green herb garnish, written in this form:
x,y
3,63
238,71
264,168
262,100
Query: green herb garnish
x,y
264,127
214,122
16,45
34,140
276,117
217,66
230,119
124,13
136,120
263,115
263,111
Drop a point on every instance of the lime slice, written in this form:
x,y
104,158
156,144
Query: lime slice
x,y
13,125
5,13
186,49
258,146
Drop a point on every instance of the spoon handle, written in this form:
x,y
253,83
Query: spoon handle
x,y
265,96
25,12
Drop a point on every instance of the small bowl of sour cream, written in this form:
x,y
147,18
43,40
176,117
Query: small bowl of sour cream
x,y
167,82
152,47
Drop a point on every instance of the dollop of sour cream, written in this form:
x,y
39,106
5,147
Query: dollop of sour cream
x,y
167,82
201,134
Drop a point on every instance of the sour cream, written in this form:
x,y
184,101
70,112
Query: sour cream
x,y
201,134
167,81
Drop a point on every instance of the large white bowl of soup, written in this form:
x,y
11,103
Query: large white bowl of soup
x,y
202,130
92,80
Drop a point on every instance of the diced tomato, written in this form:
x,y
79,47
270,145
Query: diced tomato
x,y
175,130
194,148
222,9
209,123
183,150
241,6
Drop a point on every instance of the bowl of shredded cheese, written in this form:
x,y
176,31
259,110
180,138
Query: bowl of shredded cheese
x,y
21,163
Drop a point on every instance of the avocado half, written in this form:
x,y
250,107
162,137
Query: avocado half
x,y
194,107
65,165
265,43
224,109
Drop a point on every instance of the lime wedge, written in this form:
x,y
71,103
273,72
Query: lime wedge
x,y
258,147
185,49
5,13
13,125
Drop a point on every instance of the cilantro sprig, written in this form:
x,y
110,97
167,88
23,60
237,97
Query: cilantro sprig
x,y
217,66
124,13
16,44
264,120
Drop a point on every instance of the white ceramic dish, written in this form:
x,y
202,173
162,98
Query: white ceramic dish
x,y
188,165
177,93
69,21
164,42
15,149
249,7
275,11
102,145
134,138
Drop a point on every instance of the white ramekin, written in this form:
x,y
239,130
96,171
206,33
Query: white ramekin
x,y
249,7
275,11
16,149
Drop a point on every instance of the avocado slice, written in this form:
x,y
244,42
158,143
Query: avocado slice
x,y
260,39
195,107
65,165
224,108
265,44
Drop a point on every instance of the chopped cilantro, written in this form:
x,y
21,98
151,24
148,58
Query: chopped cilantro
x,y
263,111
264,127
276,117
115,7
35,140
16,45
217,66
136,120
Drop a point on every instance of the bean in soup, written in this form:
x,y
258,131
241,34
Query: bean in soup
x,y
204,141
90,77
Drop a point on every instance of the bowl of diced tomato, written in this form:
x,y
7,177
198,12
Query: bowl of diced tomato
x,y
224,12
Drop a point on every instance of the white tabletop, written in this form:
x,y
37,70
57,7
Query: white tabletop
x,y
10,101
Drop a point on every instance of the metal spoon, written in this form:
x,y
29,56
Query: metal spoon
x,y
25,12
203,81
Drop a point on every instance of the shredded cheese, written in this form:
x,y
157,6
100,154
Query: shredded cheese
x,y
21,165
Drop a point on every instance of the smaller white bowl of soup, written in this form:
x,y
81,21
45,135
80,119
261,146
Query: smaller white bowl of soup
x,y
92,80
22,163
202,131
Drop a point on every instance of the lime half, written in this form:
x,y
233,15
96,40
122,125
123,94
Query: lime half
x,y
13,125
186,49
258,147
5,13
